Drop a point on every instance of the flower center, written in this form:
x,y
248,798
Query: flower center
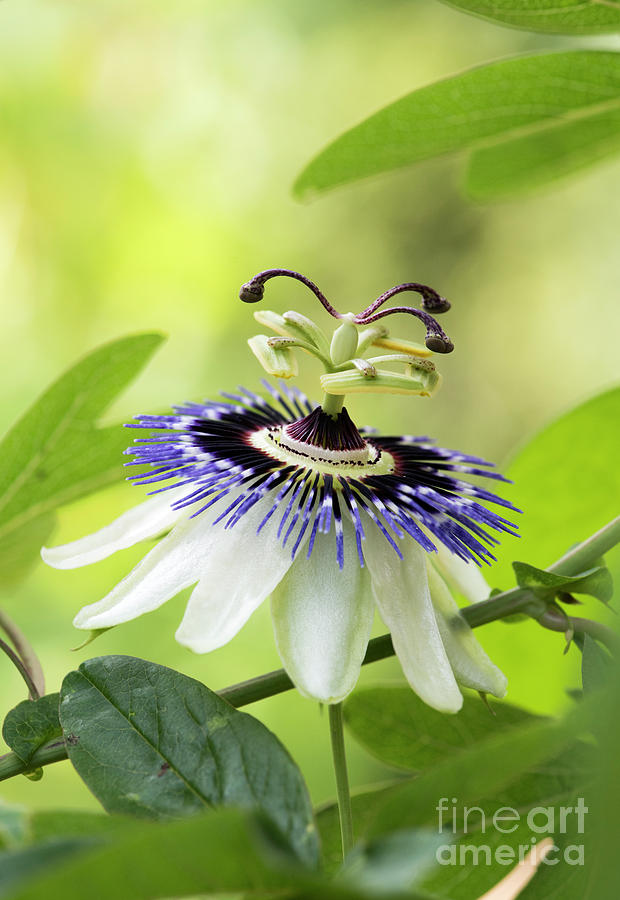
x,y
323,443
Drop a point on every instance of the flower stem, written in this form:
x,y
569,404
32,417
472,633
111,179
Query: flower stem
x,y
336,732
332,404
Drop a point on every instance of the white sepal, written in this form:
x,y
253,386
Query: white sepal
x,y
146,520
470,664
464,577
243,569
401,591
175,563
322,618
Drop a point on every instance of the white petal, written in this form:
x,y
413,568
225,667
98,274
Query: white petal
x,y
240,573
402,595
471,666
322,618
464,577
146,520
176,562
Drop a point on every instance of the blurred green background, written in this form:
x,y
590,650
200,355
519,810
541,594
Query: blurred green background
x,y
146,157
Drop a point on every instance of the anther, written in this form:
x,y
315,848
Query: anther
x,y
439,344
252,292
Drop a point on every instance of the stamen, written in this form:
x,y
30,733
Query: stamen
x,y
254,290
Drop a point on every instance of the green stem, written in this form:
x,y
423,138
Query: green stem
x,y
587,554
24,651
21,668
579,558
332,404
596,630
336,731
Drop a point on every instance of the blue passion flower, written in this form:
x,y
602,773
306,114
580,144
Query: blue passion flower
x,y
270,495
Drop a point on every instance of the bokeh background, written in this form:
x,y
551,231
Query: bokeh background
x,y
146,156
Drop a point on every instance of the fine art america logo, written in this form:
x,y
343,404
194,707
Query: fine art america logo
x,y
537,823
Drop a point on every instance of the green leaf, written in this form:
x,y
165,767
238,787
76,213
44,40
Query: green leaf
x,y
550,16
24,863
217,852
31,724
393,863
595,582
476,833
567,483
568,101
401,730
151,742
551,152
55,453
481,770
13,825
596,669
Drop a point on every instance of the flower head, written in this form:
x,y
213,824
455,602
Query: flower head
x,y
275,496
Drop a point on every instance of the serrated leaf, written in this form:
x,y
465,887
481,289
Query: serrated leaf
x,y
549,16
401,730
31,724
595,582
56,454
151,742
569,101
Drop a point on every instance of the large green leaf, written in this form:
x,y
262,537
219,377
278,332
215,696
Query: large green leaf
x,y
481,770
537,805
222,853
218,852
567,483
24,863
522,762
151,742
55,453
576,140
560,110
400,729
555,16
31,724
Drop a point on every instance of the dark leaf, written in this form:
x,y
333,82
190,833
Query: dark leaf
x,y
151,742
400,729
31,724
